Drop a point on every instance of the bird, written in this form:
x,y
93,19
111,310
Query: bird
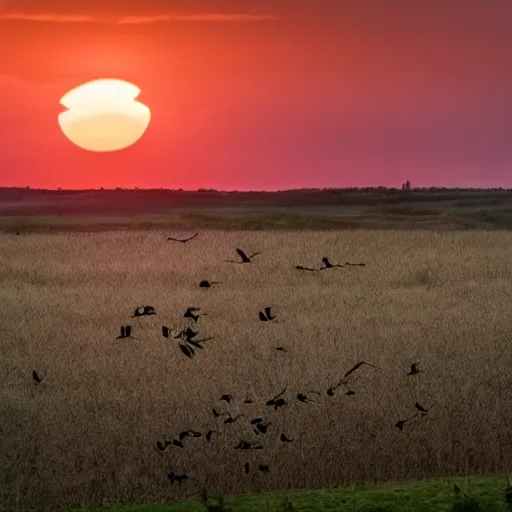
x,y
144,311
302,397
186,334
414,369
261,428
189,433
422,409
273,400
125,332
264,468
328,264
243,257
266,315
356,367
207,284
188,351
300,267
226,398
183,240
177,478
37,379
285,439
401,423
189,313
247,445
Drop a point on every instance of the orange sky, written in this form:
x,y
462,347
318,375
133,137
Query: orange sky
x,y
265,95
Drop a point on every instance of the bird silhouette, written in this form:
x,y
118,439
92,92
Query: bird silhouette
x,y
264,468
189,433
189,313
207,284
188,351
300,267
179,479
183,240
273,400
36,378
244,258
285,439
144,311
401,423
125,332
422,409
247,445
303,397
328,264
414,369
266,315
356,367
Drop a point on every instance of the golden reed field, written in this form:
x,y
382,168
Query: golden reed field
x,y
88,433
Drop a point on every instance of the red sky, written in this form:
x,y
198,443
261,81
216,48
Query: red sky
x,y
265,95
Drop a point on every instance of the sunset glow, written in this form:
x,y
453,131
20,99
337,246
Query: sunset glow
x,y
103,115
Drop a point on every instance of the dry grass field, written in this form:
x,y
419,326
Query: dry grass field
x,y
87,434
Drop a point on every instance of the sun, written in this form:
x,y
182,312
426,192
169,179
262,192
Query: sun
x,y
103,115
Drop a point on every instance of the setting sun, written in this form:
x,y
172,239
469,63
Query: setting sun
x,y
103,115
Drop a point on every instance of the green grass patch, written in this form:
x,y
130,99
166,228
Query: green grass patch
x,y
486,494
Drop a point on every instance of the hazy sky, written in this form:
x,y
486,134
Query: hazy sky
x,y
267,94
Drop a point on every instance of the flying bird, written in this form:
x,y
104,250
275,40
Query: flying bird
x,y
422,409
300,267
414,369
183,240
328,264
247,445
188,351
207,284
264,468
356,367
273,400
37,379
189,313
304,398
144,311
401,423
179,479
266,315
243,257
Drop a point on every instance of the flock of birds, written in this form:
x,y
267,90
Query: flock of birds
x,y
188,344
